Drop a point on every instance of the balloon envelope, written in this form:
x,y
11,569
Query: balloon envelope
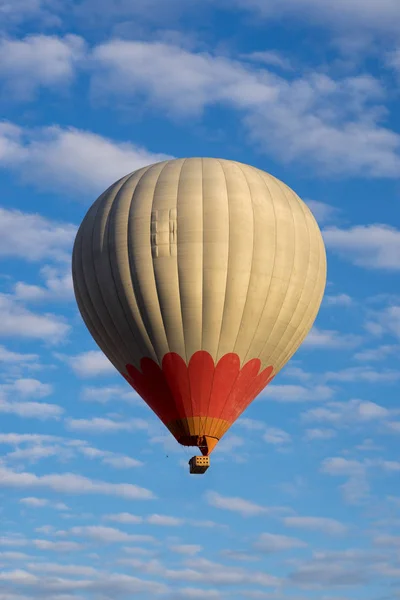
x,y
199,278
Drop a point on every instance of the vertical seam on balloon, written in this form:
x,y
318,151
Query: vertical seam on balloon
x,y
279,356
252,255
226,284
95,274
89,296
203,420
78,282
311,319
113,210
300,339
307,325
274,264
247,293
152,264
291,271
179,290
136,289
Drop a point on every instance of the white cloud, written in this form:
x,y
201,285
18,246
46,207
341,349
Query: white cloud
x,y
33,502
356,488
58,546
154,519
18,321
118,461
313,118
58,286
338,300
276,436
24,388
269,57
187,549
38,61
376,354
251,424
200,569
33,237
385,321
348,16
89,364
271,542
322,524
319,434
164,520
103,395
368,445
108,535
386,540
22,438
69,160
371,246
198,594
69,483
13,540
363,374
322,211
108,585
126,518
10,357
121,462
342,466
291,370
318,338
41,446
38,410
58,569
16,12
104,425
246,508
297,393
230,443
27,388
347,413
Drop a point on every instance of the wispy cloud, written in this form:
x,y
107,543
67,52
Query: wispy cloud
x,y
68,483
370,246
69,159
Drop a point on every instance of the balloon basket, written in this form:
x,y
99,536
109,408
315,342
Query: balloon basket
x,y
199,464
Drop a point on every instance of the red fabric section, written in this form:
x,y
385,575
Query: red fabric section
x,y
151,385
177,378
225,377
177,391
247,387
201,375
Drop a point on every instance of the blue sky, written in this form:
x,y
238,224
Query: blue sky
x,y
302,500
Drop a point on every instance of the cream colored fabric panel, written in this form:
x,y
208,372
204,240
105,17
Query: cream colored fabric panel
x,y
130,317
283,262
215,252
305,312
121,332
83,299
241,238
164,236
282,332
317,288
262,260
92,300
141,260
190,252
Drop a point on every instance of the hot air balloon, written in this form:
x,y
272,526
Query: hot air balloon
x,y
199,279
